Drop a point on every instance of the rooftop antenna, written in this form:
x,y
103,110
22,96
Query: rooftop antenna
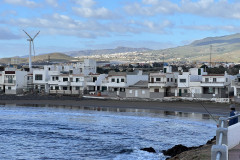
x,y
210,56
163,61
31,45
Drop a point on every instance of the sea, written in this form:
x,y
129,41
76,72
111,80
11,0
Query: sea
x,y
97,133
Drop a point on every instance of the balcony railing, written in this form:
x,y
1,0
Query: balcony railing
x,y
10,81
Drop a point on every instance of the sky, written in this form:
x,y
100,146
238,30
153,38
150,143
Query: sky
x,y
72,25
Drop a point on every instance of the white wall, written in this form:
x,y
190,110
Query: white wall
x,y
183,84
233,135
21,79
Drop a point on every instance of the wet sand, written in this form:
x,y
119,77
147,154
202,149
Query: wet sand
x,y
196,107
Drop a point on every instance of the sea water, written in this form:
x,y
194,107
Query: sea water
x,y
82,133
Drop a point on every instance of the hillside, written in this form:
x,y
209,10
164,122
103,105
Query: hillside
x,y
54,57
224,48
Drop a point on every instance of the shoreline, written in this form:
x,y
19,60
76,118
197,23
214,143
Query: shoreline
x,y
217,109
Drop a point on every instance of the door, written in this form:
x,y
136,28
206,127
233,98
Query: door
x,y
180,92
136,93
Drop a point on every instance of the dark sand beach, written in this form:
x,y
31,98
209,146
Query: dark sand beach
x,y
180,106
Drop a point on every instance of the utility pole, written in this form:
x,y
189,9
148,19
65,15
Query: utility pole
x,y
210,56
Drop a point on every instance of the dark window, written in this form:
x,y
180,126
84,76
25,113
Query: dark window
x,y
122,80
77,88
156,90
51,87
165,70
113,80
211,90
185,90
77,79
65,79
0,88
53,78
65,88
171,79
56,87
57,78
71,71
38,77
117,80
94,79
9,88
206,79
214,79
182,80
167,79
158,79
175,80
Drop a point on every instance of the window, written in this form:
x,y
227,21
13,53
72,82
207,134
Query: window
x,y
94,79
71,71
211,90
158,79
171,79
53,78
117,80
65,79
51,87
214,79
77,79
167,79
206,79
130,91
56,78
56,87
122,79
77,88
71,79
185,90
9,88
38,77
143,92
0,88
65,88
182,80
113,80
156,90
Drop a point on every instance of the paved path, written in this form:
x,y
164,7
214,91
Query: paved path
x,y
234,153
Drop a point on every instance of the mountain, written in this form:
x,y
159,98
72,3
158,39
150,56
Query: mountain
x,y
53,57
224,48
105,51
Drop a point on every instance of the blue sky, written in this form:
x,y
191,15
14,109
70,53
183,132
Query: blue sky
x,y
70,25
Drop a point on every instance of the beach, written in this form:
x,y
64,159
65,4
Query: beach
x,y
179,106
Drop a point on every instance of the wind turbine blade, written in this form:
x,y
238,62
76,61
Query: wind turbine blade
x,y
27,34
33,48
36,35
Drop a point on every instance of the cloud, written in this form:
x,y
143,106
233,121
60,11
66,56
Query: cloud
x,y
53,3
25,3
6,34
85,3
205,8
102,13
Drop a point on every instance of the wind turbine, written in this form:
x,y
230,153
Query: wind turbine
x,y
31,44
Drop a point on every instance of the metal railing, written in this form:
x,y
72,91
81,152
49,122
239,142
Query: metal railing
x,y
220,150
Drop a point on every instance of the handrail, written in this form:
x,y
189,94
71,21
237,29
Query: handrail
x,y
223,125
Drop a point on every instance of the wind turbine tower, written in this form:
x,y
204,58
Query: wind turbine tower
x,y
31,47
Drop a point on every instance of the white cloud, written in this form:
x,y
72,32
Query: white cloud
x,y
53,3
26,3
206,8
86,12
85,3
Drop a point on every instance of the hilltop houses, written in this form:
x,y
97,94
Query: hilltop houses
x,y
81,78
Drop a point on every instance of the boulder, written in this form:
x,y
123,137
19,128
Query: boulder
x,y
150,149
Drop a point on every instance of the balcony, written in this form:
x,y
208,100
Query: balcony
x,y
157,84
77,84
213,84
9,82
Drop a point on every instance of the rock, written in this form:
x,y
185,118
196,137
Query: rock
x,y
150,149
177,149
211,141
